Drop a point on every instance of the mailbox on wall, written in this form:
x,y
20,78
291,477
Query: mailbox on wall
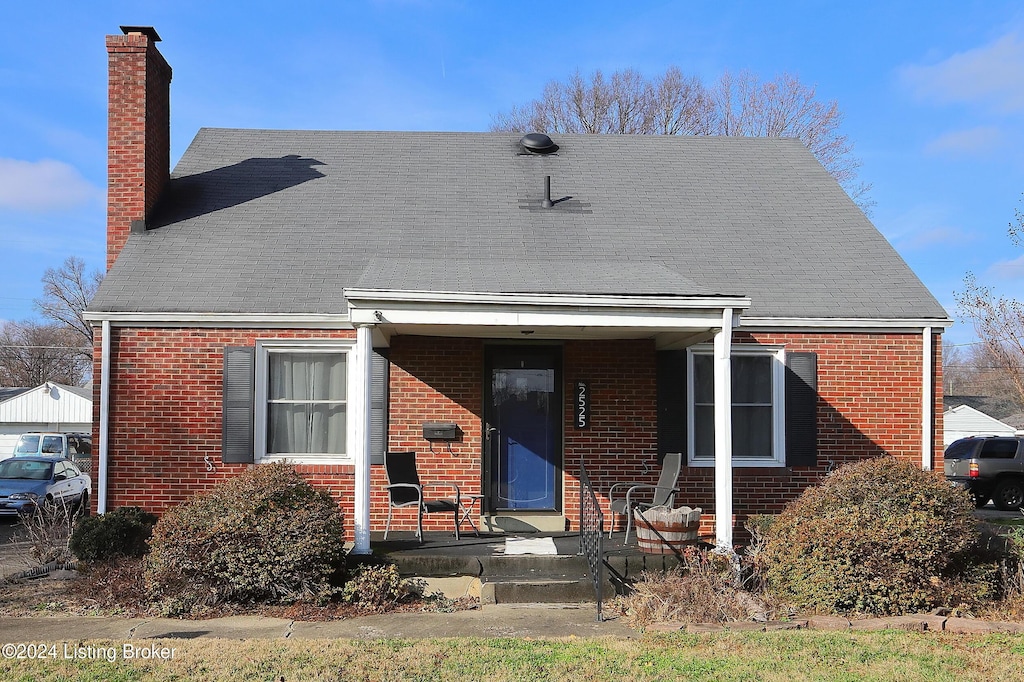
x,y
442,431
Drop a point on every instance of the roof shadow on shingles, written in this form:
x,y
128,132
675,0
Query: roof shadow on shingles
x,y
194,195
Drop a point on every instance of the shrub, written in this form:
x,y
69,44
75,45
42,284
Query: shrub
x,y
377,588
702,588
123,532
266,536
878,536
48,532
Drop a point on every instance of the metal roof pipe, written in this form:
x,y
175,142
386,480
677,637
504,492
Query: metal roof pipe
x,y
547,203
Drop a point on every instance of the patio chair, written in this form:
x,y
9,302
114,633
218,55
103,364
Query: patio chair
x,y
644,495
405,490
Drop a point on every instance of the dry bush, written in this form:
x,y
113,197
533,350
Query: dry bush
x,y
264,537
117,586
378,588
48,532
878,536
702,589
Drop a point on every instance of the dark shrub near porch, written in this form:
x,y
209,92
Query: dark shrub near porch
x,y
878,536
266,536
123,532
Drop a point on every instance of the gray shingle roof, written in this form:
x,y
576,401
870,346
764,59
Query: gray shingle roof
x,y
259,221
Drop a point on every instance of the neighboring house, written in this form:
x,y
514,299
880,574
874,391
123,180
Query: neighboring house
x,y
49,407
319,296
963,421
974,415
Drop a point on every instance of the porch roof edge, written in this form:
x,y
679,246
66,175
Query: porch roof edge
x,y
363,298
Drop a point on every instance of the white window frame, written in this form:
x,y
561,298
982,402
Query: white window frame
x,y
778,355
263,350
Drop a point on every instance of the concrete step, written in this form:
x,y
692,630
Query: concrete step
x,y
539,591
519,578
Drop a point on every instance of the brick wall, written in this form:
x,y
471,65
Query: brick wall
x,y
165,416
432,379
138,133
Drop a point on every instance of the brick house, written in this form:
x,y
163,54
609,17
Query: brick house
x,y
319,296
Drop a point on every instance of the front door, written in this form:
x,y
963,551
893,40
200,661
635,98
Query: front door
x,y
523,428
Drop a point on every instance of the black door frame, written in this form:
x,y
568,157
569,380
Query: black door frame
x,y
491,350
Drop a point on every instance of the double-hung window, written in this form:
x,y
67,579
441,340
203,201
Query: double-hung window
x,y
302,400
758,406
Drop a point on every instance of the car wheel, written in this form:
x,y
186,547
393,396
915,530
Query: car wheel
x,y
83,504
980,501
1009,495
49,506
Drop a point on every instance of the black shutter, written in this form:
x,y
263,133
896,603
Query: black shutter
x,y
801,409
237,411
671,391
379,408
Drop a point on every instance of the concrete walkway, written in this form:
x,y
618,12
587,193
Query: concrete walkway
x,y
505,620
500,620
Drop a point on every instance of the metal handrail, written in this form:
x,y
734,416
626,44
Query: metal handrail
x,y
592,534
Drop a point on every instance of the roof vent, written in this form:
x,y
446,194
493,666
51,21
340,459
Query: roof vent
x,y
538,143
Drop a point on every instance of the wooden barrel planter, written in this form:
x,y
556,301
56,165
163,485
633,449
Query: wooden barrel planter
x,y
662,530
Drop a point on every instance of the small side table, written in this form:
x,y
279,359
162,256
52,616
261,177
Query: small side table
x,y
468,503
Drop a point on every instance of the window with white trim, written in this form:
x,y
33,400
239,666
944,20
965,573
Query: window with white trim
x,y
302,390
758,405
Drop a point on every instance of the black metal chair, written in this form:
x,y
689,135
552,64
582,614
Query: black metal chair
x,y
405,490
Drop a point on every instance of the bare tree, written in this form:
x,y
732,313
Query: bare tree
x,y
673,104
957,374
67,291
999,324
32,353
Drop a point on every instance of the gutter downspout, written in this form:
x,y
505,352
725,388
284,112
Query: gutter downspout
x,y
101,474
927,400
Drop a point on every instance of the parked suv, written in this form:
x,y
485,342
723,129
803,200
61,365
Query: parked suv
x,y
989,467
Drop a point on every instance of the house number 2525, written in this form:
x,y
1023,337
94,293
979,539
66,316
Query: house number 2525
x,y
582,405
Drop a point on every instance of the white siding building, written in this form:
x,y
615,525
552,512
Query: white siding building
x,y
963,421
49,407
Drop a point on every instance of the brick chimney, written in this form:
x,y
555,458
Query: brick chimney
x,y
138,132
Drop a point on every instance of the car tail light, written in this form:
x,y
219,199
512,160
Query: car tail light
x,y
974,470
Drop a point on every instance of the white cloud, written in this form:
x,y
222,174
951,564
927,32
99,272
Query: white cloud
x,y
42,186
992,74
929,237
1008,269
965,142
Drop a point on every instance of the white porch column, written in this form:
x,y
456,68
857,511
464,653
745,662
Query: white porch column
x,y
359,411
927,399
723,434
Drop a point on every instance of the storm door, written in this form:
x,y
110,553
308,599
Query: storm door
x,y
523,428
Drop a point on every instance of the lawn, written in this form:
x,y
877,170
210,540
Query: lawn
x,y
882,655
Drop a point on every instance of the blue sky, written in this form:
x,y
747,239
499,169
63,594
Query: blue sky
x,y
932,92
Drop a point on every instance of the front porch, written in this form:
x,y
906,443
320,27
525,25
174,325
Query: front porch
x,y
504,578
460,359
